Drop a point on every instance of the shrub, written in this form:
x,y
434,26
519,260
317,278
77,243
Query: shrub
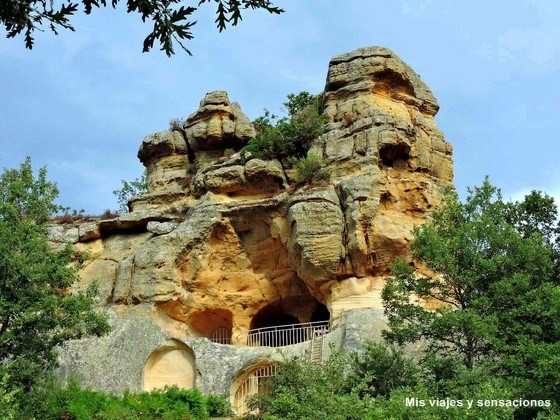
x,y
311,168
302,390
380,369
219,406
281,138
8,403
134,188
176,124
374,384
108,214
52,401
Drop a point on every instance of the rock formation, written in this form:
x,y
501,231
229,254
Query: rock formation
x,y
223,244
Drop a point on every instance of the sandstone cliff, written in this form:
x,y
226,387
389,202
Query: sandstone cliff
x,y
224,243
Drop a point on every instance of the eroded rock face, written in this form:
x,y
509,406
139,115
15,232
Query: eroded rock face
x,y
225,244
219,124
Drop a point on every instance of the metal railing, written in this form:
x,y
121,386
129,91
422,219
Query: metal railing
x,y
221,335
252,385
284,335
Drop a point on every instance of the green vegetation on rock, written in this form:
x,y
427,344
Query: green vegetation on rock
x,y
134,188
311,168
291,136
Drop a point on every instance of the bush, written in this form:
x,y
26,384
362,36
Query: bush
x,y
311,168
8,403
280,138
380,369
134,188
303,390
219,406
376,384
73,402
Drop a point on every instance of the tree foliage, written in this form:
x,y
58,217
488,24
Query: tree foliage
x,y
302,390
51,401
310,168
370,384
134,188
495,287
37,310
289,136
172,20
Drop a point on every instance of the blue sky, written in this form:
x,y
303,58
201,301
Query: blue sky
x,y
81,102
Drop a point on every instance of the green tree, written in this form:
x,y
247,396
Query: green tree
x,y
134,188
303,390
496,289
289,136
171,19
37,310
380,369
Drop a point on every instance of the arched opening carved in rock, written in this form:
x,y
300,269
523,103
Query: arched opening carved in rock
x,y
215,324
171,364
249,383
280,323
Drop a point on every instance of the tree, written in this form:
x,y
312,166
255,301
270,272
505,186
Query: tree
x,y
290,136
37,310
134,188
172,20
495,287
299,389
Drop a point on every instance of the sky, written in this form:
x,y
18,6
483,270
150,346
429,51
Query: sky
x,y
81,102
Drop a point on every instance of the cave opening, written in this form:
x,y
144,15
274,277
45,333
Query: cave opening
x,y
215,324
250,383
287,322
321,313
394,154
273,327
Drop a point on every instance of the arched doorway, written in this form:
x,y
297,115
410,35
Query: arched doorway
x,y
213,323
171,364
250,383
286,322
273,327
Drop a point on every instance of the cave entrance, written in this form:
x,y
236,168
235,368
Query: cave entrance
x,y
321,313
289,321
273,327
394,155
215,324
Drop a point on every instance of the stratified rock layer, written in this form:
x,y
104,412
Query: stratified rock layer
x,y
221,243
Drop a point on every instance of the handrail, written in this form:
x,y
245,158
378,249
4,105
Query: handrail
x,y
221,335
282,335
